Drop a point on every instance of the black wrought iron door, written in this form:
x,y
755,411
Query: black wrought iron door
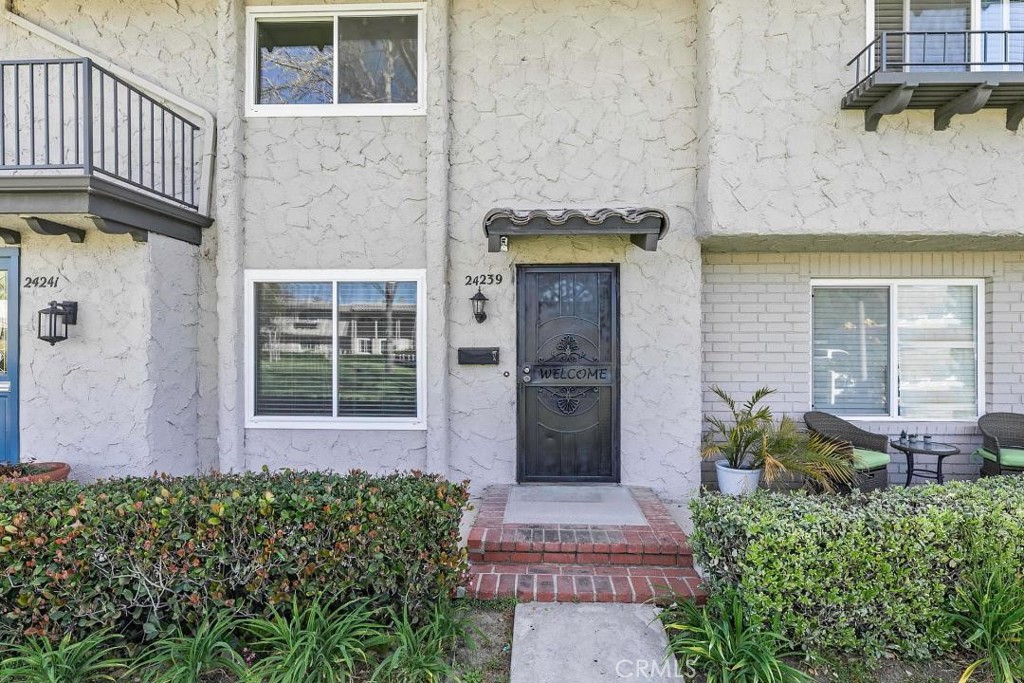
x,y
568,368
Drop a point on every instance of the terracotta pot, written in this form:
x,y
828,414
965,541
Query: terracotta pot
x,y
51,471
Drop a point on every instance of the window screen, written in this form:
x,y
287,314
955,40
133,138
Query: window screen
x,y
934,330
938,351
294,350
295,61
850,365
377,59
336,349
377,349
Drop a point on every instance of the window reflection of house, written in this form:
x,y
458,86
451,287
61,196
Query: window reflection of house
x,y
363,329
372,329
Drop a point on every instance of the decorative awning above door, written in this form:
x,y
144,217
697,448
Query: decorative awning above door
x,y
643,226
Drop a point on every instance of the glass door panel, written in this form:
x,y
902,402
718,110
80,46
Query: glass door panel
x,y
940,41
1001,47
8,355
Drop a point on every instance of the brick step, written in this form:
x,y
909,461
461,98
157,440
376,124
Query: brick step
x,y
584,545
583,583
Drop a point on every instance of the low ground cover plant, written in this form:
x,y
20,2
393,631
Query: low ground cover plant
x,y
144,557
868,575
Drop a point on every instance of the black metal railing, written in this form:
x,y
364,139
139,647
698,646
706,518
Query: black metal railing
x,y
940,51
63,115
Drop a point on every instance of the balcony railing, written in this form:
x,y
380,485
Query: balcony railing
x,y
939,51
65,115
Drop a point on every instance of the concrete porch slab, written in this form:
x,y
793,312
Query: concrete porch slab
x,y
567,643
595,505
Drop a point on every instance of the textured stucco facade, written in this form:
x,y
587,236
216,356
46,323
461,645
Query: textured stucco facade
x,y
722,113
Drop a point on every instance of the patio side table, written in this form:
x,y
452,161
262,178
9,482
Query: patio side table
x,y
912,448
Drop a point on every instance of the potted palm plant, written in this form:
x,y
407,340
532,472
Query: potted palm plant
x,y
751,446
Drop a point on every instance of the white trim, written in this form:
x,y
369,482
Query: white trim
x,y
253,421
335,13
869,14
893,285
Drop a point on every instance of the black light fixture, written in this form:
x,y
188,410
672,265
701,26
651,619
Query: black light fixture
x,y
54,320
479,301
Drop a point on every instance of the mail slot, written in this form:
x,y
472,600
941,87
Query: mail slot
x,y
484,355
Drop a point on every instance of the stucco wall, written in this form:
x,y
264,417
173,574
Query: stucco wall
x,y
334,193
578,104
118,397
784,158
756,332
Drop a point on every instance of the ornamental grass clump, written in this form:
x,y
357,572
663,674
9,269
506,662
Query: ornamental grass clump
x,y
721,642
97,658
988,615
423,652
315,643
208,654
752,439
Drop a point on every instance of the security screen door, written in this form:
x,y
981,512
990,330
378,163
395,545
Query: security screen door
x,y
568,369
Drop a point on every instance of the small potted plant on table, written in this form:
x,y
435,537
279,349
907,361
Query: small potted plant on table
x,y
751,445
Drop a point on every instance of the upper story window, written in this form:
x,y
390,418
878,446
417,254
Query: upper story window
x,y
952,35
357,60
335,349
911,349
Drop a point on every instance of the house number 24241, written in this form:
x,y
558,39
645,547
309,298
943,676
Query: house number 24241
x,y
41,282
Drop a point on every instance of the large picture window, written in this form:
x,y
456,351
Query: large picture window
x,y
905,348
335,349
358,60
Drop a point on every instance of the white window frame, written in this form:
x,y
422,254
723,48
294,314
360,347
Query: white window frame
x,y
893,285
254,421
334,13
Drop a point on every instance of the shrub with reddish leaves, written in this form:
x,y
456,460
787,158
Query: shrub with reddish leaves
x,y
144,555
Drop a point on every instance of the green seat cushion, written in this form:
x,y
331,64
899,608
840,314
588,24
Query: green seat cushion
x,y
864,459
1011,457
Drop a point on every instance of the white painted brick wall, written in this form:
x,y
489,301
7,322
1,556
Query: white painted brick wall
x,y
756,332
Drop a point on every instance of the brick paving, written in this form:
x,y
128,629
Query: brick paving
x,y
580,563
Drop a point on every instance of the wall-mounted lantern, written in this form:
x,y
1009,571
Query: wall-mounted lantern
x,y
54,320
479,302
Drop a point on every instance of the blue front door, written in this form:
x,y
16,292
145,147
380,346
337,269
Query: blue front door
x,y
9,290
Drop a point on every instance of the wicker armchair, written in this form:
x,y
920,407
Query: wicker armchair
x,y
838,430
1003,439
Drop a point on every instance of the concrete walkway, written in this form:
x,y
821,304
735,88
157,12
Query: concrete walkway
x,y
585,643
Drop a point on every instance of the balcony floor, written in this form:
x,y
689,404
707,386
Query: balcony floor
x,y
109,206
936,91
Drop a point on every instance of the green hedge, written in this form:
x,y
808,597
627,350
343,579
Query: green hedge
x,y
865,574
140,555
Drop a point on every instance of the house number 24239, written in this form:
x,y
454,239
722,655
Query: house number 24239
x,y
41,282
477,280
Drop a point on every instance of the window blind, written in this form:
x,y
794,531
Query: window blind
x,y
938,351
294,325
850,363
377,349
373,358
